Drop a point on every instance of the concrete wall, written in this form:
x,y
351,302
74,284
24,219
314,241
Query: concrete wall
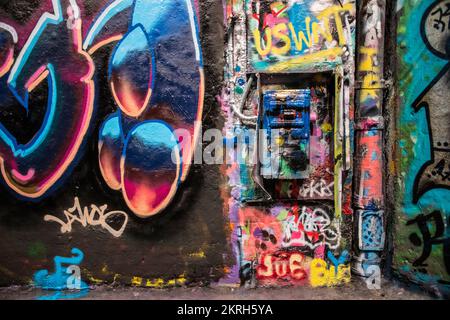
x,y
75,76
422,247
104,105
291,227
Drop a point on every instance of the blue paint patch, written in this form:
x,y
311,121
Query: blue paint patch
x,y
63,277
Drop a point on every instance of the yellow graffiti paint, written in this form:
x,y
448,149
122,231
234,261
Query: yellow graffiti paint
x,y
371,81
370,85
279,141
326,127
323,276
319,56
136,281
171,282
158,283
95,280
338,144
181,280
366,64
336,11
258,42
318,273
91,278
199,254
315,31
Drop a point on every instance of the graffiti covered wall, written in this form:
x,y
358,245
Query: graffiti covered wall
x,y
97,97
422,244
290,218
289,35
109,171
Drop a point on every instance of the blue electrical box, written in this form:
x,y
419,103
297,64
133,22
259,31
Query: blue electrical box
x,y
286,120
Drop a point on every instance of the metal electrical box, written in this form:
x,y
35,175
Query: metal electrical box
x,y
286,120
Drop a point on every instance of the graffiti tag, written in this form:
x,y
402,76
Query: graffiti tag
x,y
427,239
95,216
311,228
282,265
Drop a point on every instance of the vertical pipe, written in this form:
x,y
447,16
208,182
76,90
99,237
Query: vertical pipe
x,y
368,189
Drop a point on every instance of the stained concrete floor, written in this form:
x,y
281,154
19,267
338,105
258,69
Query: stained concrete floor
x,y
390,290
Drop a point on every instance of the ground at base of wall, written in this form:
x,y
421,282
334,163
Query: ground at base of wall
x,y
353,291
